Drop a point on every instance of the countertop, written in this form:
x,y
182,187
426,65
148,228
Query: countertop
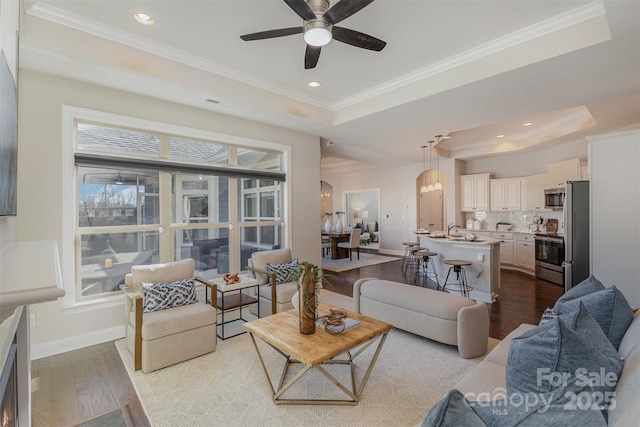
x,y
513,230
30,273
459,240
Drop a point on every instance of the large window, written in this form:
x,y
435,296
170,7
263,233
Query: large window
x,y
146,197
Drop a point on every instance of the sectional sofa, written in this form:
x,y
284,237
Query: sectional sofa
x,y
580,367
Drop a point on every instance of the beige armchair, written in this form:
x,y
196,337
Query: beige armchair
x,y
273,297
161,338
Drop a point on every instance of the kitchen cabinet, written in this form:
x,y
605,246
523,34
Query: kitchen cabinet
x,y
532,191
559,173
474,192
505,194
506,246
525,252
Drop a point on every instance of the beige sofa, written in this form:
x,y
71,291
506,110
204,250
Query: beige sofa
x,y
440,316
487,381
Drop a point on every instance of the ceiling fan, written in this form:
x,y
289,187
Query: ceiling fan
x,y
319,27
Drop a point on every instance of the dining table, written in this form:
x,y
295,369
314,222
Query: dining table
x,y
335,238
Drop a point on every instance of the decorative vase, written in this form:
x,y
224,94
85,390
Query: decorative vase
x,y
327,224
307,300
339,225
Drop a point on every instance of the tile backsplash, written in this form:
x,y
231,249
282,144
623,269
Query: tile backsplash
x,y
520,219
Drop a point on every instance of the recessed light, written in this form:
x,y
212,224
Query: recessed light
x,y
527,124
143,18
313,83
500,136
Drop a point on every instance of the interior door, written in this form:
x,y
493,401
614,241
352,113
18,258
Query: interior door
x,y
431,210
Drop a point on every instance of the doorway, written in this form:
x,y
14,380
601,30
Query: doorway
x,y
363,206
431,210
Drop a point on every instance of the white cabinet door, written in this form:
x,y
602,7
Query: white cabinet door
x,y
482,193
506,246
467,193
561,172
525,255
474,192
497,195
512,195
533,192
505,194
506,252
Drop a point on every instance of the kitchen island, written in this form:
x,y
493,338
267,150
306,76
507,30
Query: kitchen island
x,y
483,275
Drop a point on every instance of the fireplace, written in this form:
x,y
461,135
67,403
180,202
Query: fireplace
x,y
9,390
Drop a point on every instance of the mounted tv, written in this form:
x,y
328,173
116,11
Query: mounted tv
x,y
9,17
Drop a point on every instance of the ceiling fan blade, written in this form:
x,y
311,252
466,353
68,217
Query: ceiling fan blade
x,y
281,32
311,56
358,39
344,9
301,8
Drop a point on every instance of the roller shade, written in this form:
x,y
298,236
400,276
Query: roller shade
x,y
83,159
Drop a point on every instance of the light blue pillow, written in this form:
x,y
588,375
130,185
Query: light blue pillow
x,y
453,410
587,286
546,357
608,307
581,322
559,407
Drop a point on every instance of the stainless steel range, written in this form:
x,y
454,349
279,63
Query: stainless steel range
x,y
550,257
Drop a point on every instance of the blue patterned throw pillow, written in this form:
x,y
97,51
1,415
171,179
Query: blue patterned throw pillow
x,y
549,314
284,272
158,296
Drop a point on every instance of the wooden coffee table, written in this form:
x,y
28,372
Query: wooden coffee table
x,y
281,332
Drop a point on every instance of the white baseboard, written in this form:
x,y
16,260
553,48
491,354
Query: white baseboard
x,y
46,349
390,252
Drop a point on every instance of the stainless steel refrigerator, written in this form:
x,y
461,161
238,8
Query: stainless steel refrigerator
x,y
576,233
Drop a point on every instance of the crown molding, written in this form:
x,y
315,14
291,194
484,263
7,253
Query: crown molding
x,y
513,39
98,29
559,22
578,114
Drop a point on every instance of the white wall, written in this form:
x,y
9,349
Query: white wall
x,y
525,164
40,187
8,230
397,186
398,198
615,211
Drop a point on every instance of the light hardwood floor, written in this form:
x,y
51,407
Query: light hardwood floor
x,y
75,387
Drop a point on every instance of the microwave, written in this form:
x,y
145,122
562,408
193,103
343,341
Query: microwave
x,y
554,198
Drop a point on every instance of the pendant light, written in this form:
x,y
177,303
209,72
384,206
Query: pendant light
x,y
438,185
430,188
423,189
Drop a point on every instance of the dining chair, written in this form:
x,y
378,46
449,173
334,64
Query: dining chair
x,y
353,243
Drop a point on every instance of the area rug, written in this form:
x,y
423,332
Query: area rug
x,y
228,388
112,419
344,264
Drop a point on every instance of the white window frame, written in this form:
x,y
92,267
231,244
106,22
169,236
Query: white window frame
x,y
72,114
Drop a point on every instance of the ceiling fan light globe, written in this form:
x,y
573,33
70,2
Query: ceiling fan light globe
x,y
317,32
317,36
